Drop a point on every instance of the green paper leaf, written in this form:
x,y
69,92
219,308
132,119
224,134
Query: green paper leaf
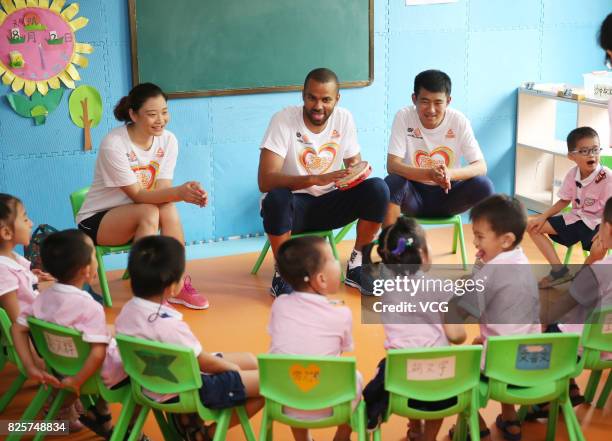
x,y
94,105
20,104
53,98
40,120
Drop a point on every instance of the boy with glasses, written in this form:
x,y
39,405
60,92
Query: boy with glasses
x,y
587,187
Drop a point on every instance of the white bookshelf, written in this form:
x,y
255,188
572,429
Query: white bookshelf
x,y
541,159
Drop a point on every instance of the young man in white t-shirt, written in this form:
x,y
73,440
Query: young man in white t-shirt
x,y
302,154
427,143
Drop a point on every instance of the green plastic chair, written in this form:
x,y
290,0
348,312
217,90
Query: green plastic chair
x,y
76,201
532,369
163,369
328,234
597,338
65,352
309,383
458,237
8,354
432,374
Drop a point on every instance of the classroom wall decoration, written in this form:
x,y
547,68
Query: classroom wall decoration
x,y
38,49
85,107
38,106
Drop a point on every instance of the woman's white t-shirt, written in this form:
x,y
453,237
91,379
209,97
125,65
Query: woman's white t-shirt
x,y
120,163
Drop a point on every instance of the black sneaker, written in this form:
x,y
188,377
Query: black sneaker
x,y
279,286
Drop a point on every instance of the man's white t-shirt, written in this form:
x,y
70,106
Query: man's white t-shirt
x,y
307,153
121,163
424,148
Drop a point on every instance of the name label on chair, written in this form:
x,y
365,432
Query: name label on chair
x,y
430,369
62,346
305,378
533,357
607,324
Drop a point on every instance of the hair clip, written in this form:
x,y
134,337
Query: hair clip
x,y
402,244
306,279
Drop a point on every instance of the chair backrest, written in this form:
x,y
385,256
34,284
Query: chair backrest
x,y
308,383
606,160
7,348
62,349
161,368
432,374
531,360
77,198
597,332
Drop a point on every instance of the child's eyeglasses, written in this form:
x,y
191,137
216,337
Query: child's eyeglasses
x,y
587,152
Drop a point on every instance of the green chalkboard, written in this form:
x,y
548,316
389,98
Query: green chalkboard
x,y
223,47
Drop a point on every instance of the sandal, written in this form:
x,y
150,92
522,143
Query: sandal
x,y
503,426
555,278
537,411
143,437
483,433
97,422
191,427
414,433
576,399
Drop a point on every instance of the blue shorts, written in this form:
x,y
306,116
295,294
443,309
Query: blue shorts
x,y
222,390
568,235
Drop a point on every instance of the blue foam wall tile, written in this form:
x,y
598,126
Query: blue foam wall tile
x,y
380,16
494,74
427,17
374,150
190,120
487,14
567,53
368,104
235,187
44,184
119,72
116,14
194,163
413,52
574,12
246,117
97,27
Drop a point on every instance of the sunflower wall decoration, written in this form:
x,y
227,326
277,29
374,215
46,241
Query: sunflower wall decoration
x,y
38,49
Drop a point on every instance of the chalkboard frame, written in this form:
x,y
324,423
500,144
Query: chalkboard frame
x,y
246,91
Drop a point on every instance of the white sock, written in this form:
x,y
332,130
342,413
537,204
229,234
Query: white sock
x,y
355,260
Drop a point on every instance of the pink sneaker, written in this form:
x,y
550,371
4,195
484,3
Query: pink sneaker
x,y
190,297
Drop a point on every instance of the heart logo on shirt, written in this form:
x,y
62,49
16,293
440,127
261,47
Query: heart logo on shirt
x,y
318,161
305,378
439,155
145,174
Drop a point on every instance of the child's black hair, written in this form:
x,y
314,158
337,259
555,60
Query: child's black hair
x,y
504,214
65,253
155,263
580,133
8,209
400,244
607,215
300,258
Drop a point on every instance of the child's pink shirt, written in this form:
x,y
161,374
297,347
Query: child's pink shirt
x,y
588,196
15,275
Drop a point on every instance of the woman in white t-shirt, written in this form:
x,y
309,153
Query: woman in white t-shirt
x,y
132,194
605,41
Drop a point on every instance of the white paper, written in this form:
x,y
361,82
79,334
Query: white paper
x,y
607,324
430,369
62,346
428,2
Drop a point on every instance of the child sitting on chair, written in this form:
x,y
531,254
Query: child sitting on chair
x,y
307,322
404,246
157,265
587,187
69,256
511,303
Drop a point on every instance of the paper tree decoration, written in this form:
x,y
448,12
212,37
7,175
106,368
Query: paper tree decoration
x,y
38,107
85,106
38,49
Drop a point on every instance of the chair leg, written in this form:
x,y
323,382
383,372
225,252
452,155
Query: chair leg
x,y
261,257
127,410
574,431
102,278
265,431
53,410
139,423
455,236
222,425
10,394
553,415
605,393
358,422
343,232
462,245
163,425
473,424
33,409
126,275
332,244
245,423
589,393
568,255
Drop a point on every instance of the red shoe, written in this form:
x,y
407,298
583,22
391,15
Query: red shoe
x,y
190,297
